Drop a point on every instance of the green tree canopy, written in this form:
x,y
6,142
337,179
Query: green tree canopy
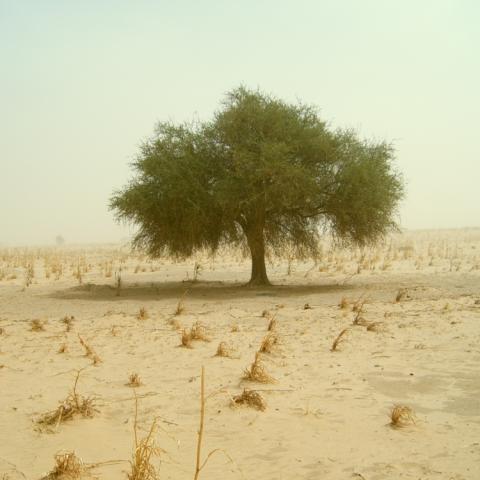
x,y
263,173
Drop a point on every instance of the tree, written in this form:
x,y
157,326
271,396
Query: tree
x,y
263,174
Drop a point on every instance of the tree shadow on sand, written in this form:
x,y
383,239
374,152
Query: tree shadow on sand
x,y
199,290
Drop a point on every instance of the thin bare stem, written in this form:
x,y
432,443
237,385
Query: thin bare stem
x,y
199,467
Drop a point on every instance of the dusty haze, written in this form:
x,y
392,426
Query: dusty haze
x,y
82,85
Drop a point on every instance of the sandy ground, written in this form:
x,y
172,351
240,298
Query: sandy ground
x,y
328,412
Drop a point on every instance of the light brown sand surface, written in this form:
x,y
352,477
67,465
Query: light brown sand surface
x,y
327,414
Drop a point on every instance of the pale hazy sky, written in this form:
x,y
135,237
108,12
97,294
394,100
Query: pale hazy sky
x,y
83,82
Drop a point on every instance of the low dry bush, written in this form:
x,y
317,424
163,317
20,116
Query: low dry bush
x,y
251,398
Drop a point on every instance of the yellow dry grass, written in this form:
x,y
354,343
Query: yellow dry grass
x,y
269,342
74,405
251,398
257,372
225,350
401,416
67,467
134,380
341,337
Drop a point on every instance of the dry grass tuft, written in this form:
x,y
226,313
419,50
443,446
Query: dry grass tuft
x,y
181,304
224,350
272,325
142,314
358,305
74,405
68,321
186,339
234,328
88,349
375,327
401,295
199,332
37,325
67,466
269,343
174,323
340,339
134,380
145,449
401,416
250,398
90,352
343,303
359,320
257,372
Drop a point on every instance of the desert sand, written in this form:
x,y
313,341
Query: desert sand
x,y
415,343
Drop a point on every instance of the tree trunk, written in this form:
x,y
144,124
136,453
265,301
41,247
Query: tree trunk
x,y
256,243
